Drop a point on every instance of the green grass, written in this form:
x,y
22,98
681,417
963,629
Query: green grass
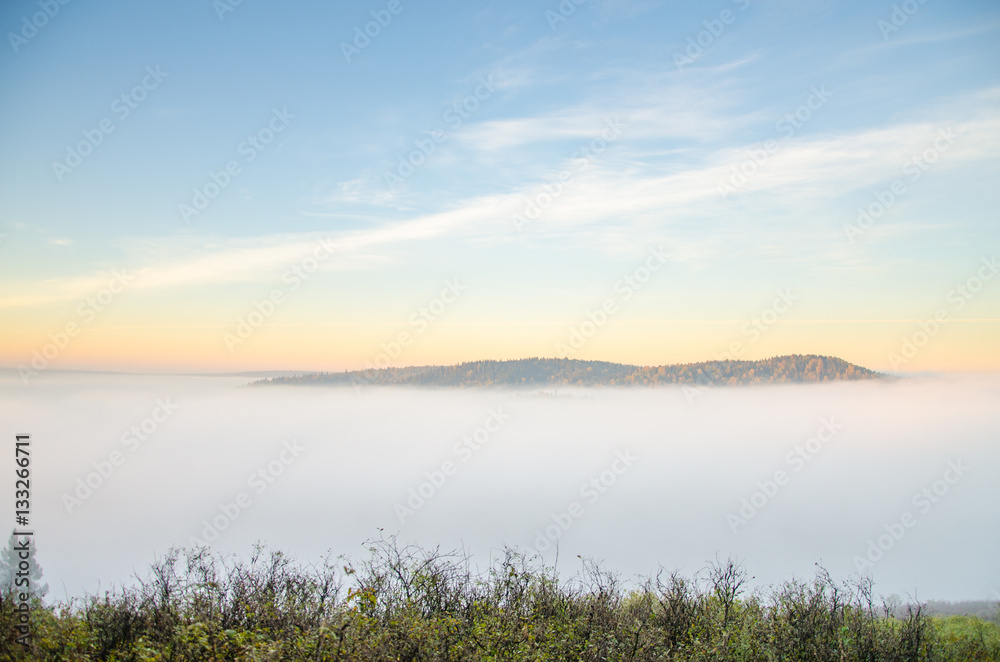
x,y
968,637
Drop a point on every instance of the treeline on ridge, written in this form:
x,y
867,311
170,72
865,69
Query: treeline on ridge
x,y
571,372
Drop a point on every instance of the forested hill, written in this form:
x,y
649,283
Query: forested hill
x,y
569,372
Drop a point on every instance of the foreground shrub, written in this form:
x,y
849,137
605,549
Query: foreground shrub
x,y
407,603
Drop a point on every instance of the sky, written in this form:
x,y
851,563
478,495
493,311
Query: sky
x,y
219,186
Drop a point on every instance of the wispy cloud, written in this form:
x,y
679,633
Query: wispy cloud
x,y
633,189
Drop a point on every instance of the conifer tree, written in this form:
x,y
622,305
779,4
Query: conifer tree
x,y
9,563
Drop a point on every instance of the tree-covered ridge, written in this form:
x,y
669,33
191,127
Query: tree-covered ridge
x,y
570,372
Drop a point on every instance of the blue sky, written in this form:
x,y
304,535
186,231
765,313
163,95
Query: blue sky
x,y
551,89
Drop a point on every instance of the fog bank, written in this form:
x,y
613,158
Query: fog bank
x,y
898,479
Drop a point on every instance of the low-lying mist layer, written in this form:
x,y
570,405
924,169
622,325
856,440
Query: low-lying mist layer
x,y
892,479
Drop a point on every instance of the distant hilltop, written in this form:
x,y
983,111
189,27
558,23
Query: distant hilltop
x,y
570,372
